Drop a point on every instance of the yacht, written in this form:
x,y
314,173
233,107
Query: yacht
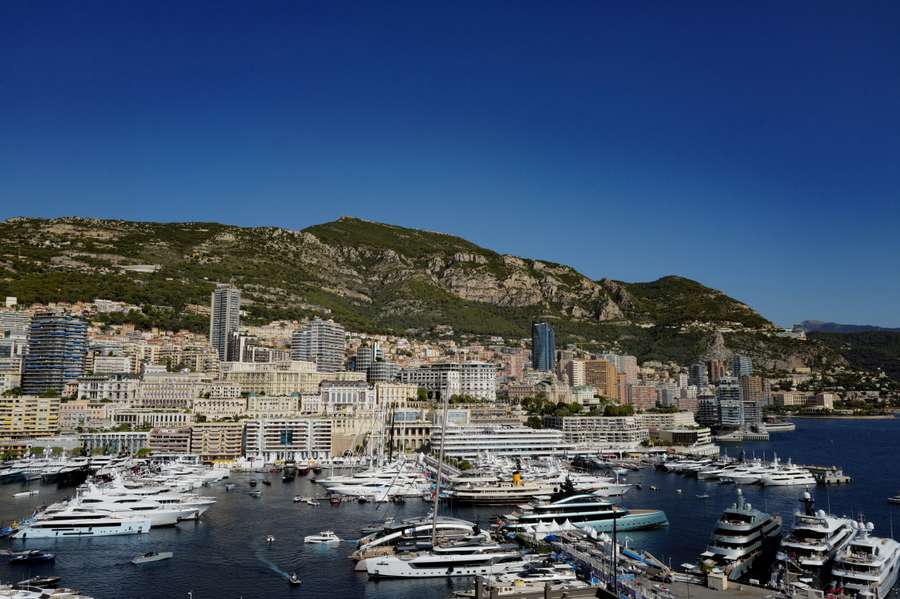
x,y
460,559
71,523
868,566
531,582
584,510
501,492
326,536
788,475
812,545
412,533
742,535
895,498
158,514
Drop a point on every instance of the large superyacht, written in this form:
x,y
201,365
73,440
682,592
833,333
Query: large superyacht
x,y
806,554
744,537
868,566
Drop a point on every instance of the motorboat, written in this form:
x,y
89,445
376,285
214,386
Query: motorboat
x,y
270,539
39,582
743,534
293,579
152,556
868,566
25,494
895,498
254,493
326,536
32,557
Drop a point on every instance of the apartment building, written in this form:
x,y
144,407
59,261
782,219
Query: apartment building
x,y
29,416
594,433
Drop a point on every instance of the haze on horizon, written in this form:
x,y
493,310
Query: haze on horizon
x,y
752,148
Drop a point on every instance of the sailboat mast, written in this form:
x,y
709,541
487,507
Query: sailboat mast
x,y
440,470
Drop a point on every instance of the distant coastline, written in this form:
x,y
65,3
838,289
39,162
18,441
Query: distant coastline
x,y
838,417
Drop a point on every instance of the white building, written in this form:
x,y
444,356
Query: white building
x,y
347,397
474,379
287,439
121,389
322,342
467,442
112,364
596,433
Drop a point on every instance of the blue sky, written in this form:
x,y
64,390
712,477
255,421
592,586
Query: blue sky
x,y
755,147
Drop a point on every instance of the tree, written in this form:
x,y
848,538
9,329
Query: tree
x,y
534,422
421,394
143,452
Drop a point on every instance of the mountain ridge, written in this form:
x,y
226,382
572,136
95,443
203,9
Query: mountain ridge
x,y
372,277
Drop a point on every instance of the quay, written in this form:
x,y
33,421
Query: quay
x,y
614,570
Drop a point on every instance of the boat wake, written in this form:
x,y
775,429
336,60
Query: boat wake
x,y
273,567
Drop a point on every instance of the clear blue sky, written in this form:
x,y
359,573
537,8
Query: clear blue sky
x,y
752,146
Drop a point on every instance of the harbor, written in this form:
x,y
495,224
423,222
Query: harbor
x,y
262,569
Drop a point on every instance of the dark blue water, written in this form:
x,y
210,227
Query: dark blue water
x,y
225,555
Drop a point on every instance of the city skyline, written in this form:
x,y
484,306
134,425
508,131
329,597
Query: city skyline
x,y
752,153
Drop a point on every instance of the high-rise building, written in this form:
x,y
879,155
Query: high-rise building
x,y
741,366
602,375
366,356
575,372
697,376
752,389
240,346
715,370
543,346
731,403
57,345
322,342
224,318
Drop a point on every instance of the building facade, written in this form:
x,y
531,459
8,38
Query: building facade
x,y
322,342
56,351
543,346
224,318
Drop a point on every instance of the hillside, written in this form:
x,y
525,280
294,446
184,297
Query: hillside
x,y
369,276
866,350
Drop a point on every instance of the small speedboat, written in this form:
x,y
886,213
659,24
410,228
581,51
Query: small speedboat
x,y
229,486
32,557
25,493
152,556
326,536
253,482
297,499
293,579
894,499
39,582
270,539
703,496
254,493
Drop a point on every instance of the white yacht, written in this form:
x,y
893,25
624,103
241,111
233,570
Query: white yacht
x,y
463,559
71,523
157,513
868,566
812,545
413,532
501,492
326,536
742,535
788,475
583,510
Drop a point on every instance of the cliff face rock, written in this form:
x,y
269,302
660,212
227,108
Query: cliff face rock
x,y
369,275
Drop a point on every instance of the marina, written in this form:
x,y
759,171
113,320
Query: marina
x,y
263,569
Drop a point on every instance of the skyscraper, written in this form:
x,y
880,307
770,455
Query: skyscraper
x,y
322,342
224,318
543,346
741,366
731,405
697,376
57,345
